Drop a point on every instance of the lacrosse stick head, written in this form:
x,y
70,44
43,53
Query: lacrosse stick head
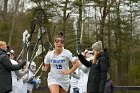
x,y
28,37
25,33
41,31
39,51
48,46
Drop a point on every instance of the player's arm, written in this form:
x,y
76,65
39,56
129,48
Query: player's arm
x,y
74,67
46,62
20,73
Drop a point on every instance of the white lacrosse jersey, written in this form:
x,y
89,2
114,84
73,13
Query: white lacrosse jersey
x,y
24,84
82,82
58,63
14,76
14,79
30,86
73,82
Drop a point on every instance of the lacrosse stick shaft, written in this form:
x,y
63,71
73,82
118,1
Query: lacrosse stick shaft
x,y
33,54
77,43
20,54
38,68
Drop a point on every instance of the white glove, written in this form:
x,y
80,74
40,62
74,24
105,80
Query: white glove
x,y
38,81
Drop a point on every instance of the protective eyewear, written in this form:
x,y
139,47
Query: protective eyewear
x,y
61,41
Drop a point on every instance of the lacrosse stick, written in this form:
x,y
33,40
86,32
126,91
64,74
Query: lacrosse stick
x,y
25,41
38,21
40,47
39,51
38,69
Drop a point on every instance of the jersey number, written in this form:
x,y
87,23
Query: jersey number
x,y
58,66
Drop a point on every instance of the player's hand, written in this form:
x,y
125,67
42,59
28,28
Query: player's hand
x,y
44,68
26,70
65,72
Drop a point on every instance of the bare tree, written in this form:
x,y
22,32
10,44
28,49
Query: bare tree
x,y
13,22
5,6
65,15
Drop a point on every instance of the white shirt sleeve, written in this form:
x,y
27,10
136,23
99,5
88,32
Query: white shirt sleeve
x,y
47,58
71,57
13,62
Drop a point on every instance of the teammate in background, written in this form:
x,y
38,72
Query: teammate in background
x,y
15,74
22,81
58,60
32,81
83,71
74,82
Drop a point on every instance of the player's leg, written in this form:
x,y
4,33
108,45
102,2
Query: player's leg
x,y
61,90
54,88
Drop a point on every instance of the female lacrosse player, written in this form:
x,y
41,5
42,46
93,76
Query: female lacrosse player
x,y
58,60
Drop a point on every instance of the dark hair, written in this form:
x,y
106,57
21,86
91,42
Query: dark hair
x,y
60,35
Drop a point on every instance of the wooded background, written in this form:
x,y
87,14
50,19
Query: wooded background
x,y
115,22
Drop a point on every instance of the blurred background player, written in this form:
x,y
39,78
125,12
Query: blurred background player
x,y
32,81
74,82
84,71
15,74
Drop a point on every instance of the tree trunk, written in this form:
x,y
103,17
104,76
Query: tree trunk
x,y
96,33
80,20
118,46
13,23
65,16
5,6
102,24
